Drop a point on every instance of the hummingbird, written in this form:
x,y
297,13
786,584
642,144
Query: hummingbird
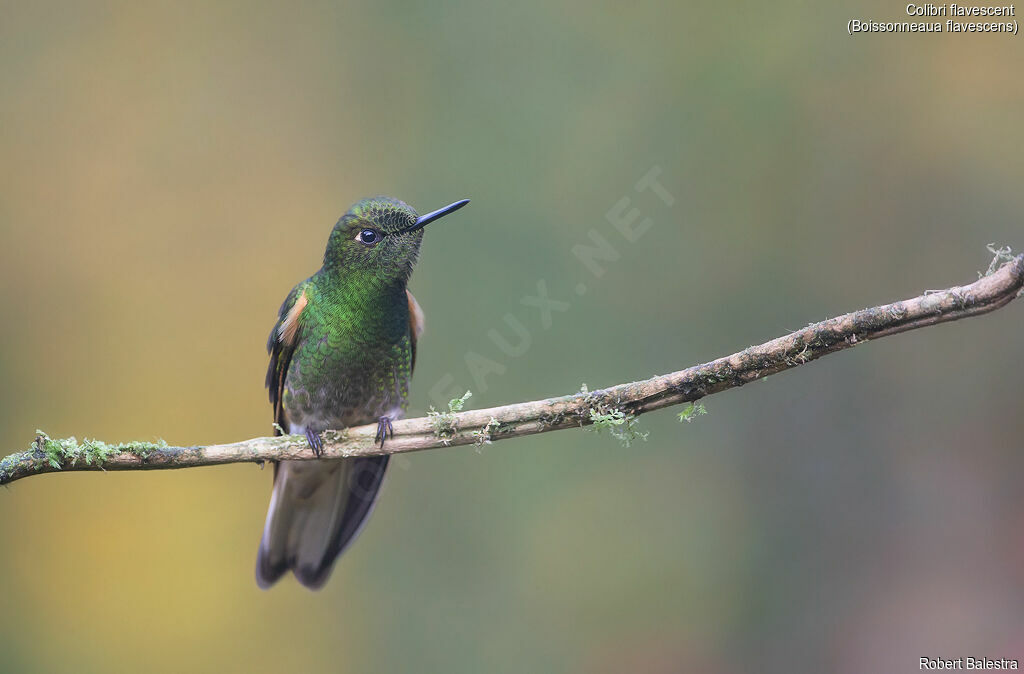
x,y
341,354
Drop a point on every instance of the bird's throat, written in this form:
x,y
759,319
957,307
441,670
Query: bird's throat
x,y
368,306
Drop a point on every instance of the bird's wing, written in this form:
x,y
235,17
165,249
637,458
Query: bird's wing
x,y
416,324
281,346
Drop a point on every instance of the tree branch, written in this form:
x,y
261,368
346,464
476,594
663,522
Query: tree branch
x,y
620,402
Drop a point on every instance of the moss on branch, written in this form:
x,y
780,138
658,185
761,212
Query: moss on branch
x,y
614,409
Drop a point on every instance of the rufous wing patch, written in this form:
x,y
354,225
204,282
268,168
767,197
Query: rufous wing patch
x,y
416,318
290,324
416,322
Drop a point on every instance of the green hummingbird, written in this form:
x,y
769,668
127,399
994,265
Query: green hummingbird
x,y
341,354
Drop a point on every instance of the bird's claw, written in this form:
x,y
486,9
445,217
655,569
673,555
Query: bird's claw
x,y
315,443
384,430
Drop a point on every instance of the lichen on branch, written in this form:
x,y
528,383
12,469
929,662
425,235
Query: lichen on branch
x,y
615,408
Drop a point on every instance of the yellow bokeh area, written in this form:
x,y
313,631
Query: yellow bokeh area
x,y
170,170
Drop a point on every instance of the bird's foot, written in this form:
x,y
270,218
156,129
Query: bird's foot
x,y
384,430
315,443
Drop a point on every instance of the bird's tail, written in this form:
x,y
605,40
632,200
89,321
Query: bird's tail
x,y
317,509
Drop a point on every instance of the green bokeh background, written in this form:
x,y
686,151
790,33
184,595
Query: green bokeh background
x,y
170,170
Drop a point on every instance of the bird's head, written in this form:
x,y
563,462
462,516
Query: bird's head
x,y
380,237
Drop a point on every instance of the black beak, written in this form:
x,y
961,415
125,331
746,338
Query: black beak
x,y
425,220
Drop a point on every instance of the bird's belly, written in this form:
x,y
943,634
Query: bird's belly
x,y
344,392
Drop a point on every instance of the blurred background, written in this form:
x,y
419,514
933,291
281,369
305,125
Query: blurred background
x,y
170,170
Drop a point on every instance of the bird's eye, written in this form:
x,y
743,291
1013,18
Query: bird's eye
x,y
368,236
